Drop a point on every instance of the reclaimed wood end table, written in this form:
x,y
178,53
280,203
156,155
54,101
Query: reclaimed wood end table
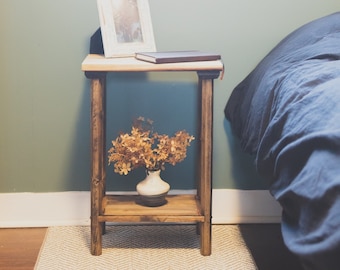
x,y
123,208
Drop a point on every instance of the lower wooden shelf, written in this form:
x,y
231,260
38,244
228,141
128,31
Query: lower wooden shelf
x,y
127,208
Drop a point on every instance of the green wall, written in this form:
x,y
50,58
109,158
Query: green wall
x,y
44,96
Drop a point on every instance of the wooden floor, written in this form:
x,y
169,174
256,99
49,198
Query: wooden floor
x,y
19,248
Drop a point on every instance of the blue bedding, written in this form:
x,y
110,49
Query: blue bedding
x,y
286,113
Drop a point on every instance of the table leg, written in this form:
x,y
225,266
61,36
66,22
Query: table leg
x,y
205,185
98,161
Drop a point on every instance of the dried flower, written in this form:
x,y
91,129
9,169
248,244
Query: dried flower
x,y
144,148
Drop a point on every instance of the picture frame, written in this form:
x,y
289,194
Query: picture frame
x,y
126,27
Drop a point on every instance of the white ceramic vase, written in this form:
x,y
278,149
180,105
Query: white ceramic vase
x,y
153,189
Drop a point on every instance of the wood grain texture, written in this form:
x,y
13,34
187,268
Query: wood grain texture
x,y
98,161
19,248
96,62
179,209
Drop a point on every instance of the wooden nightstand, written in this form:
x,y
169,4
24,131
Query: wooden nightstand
x,y
180,208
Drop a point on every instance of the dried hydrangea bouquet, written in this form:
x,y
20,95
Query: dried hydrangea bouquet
x,y
143,147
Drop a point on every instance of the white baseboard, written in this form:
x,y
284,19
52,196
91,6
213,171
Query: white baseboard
x,y
232,206
73,208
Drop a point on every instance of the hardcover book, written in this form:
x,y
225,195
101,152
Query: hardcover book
x,y
176,56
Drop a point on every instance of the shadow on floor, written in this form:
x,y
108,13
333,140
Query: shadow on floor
x,y
267,248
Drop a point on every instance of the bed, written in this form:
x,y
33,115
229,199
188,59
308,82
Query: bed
x,y
286,113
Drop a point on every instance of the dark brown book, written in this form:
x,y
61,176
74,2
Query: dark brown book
x,y
176,56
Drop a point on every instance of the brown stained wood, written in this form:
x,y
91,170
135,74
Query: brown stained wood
x,y
206,144
98,160
120,209
205,240
177,205
19,248
153,218
206,161
95,62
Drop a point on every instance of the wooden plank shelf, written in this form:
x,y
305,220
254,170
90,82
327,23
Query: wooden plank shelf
x,y
128,208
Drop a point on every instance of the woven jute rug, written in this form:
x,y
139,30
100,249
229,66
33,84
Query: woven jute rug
x,y
132,247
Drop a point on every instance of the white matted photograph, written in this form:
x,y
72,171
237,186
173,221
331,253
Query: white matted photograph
x,y
126,27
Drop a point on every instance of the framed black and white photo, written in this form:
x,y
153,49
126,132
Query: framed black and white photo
x,y
126,27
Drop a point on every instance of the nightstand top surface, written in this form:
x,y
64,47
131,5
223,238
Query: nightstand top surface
x,y
95,62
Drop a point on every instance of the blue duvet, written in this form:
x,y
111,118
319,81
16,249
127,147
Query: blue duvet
x,y
287,113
